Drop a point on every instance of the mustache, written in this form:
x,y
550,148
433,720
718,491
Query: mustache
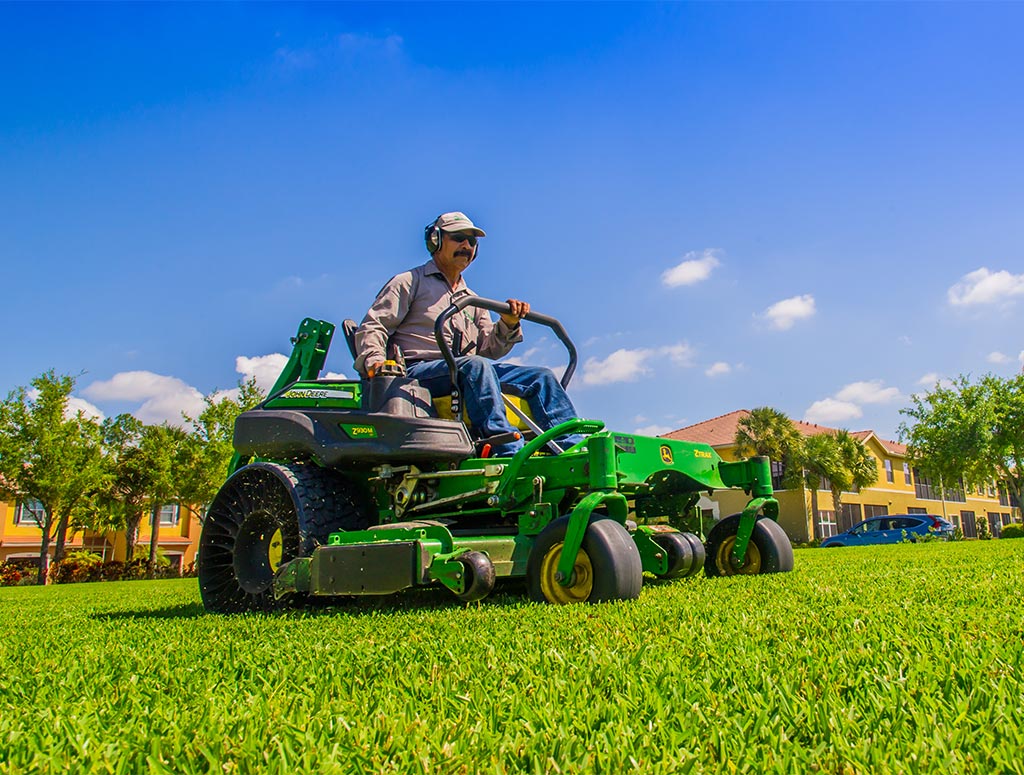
x,y
466,253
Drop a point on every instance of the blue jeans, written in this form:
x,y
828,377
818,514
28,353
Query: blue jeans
x,y
481,381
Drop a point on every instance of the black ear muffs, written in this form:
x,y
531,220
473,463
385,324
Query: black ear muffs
x,y
432,237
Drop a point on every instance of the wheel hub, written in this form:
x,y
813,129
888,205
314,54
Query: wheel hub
x,y
727,564
555,588
259,549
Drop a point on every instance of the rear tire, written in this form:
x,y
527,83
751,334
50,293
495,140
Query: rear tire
x,y
607,567
769,550
265,515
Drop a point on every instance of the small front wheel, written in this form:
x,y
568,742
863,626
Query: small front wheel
x,y
479,576
769,550
607,566
685,554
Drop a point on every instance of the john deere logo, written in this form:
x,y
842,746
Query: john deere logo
x,y
666,455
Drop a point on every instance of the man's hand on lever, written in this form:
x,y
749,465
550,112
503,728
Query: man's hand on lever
x,y
520,309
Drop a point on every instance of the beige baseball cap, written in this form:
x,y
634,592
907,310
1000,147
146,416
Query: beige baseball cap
x,y
457,221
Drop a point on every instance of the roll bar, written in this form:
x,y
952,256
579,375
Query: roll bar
x,y
502,308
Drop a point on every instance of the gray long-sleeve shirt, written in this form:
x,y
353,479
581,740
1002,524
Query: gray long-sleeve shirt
x,y
405,310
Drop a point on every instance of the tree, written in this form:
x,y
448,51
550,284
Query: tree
x,y
767,431
860,469
204,455
49,456
127,475
973,430
842,460
160,446
141,474
821,460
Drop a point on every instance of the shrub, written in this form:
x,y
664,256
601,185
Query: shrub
x,y
112,571
1015,530
136,569
984,533
75,568
10,574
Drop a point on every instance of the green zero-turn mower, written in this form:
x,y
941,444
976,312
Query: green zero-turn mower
x,y
344,488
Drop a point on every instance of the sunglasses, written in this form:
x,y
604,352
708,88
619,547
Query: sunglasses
x,y
459,239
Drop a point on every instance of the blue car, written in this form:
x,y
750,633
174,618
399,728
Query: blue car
x,y
891,529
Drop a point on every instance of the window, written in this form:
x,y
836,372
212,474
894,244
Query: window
x,y
875,511
906,473
904,523
824,484
957,494
826,523
917,510
30,512
1006,519
778,471
995,526
1004,497
968,524
888,472
923,487
850,516
871,526
169,514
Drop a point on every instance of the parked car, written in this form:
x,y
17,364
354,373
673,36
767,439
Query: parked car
x,y
891,529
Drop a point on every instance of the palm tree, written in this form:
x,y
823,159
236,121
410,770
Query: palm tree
x,y
861,467
767,431
821,460
841,459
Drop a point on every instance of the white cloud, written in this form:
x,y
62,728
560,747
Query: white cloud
x,y
621,366
73,406
76,405
522,359
870,392
717,369
997,357
1021,359
931,379
783,314
695,267
265,368
626,365
131,386
680,354
830,411
163,398
653,430
984,287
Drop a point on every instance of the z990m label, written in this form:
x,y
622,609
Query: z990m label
x,y
360,431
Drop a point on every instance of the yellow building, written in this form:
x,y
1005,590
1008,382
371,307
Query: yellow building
x,y
21,536
808,516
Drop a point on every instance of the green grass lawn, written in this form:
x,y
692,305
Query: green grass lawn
x,y
900,658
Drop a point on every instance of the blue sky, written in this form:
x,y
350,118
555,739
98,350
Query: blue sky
x,y
809,206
